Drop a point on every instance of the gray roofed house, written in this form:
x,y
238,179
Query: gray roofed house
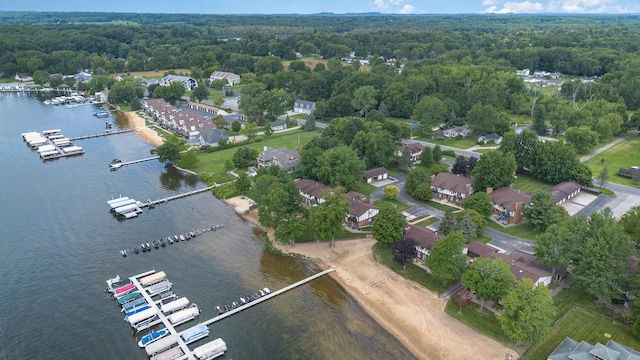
x,y
189,83
232,79
83,77
304,107
212,137
570,349
375,174
278,126
485,138
286,159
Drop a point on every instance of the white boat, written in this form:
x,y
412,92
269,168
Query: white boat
x,y
141,317
112,281
171,354
174,305
153,278
152,337
184,315
210,350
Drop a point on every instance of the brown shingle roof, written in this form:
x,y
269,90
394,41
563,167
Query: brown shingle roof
x,y
564,189
452,182
413,147
508,197
480,249
375,172
425,237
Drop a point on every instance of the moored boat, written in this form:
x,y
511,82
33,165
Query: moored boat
x,y
182,237
129,297
195,333
210,350
152,337
135,249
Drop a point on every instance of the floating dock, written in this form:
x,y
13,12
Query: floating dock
x,y
115,165
130,208
178,196
102,134
175,342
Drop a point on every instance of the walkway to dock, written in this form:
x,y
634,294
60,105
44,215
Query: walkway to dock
x,y
125,163
165,321
266,297
178,196
102,134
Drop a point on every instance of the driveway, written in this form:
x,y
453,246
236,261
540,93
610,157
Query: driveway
x,y
509,243
417,209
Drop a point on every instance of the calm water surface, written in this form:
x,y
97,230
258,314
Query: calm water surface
x,y
59,243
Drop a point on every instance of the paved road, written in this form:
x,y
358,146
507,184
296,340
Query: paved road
x,y
467,153
417,209
605,147
508,242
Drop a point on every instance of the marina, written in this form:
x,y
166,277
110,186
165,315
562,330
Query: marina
x,y
162,242
177,312
51,144
130,208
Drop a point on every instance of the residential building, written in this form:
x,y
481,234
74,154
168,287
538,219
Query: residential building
x,y
375,174
278,126
570,349
189,83
205,108
425,239
508,203
565,191
83,77
304,107
495,138
212,137
463,131
361,211
184,122
415,150
523,72
232,79
286,159
523,265
23,77
454,188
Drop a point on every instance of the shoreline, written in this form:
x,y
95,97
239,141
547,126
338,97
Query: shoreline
x,y
412,314
138,123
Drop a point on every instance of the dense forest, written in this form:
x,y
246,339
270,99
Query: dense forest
x,y
434,69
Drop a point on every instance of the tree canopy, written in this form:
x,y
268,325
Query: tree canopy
x,y
494,169
388,225
527,312
446,259
489,279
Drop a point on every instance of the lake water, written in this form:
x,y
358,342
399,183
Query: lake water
x,y
59,243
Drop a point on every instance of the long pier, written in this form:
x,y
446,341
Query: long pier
x,y
101,134
266,297
178,196
116,166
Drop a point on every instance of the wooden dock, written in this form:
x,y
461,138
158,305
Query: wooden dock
x,y
178,196
101,134
266,297
117,166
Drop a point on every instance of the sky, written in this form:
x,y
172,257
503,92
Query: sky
x,y
333,6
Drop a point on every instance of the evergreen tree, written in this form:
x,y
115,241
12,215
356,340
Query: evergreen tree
x,y
436,154
449,222
310,124
467,227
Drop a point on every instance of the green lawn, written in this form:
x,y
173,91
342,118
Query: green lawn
x,y
624,154
363,188
460,144
413,272
393,202
530,184
442,207
427,222
211,165
485,322
581,325
523,231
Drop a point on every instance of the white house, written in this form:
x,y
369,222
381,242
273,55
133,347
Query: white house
x,y
232,79
304,107
189,83
455,131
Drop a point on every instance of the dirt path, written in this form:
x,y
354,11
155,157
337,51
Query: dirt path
x,y
148,135
411,313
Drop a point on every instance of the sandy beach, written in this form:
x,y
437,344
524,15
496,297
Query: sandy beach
x,y
411,313
149,135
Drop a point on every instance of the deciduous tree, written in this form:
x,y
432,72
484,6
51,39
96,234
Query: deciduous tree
x,y
340,166
494,169
480,202
554,247
404,250
446,260
391,191
169,151
527,312
541,211
388,225
488,279
416,177
328,218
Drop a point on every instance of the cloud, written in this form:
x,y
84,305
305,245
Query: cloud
x,y
490,2
582,6
379,4
396,2
407,9
515,7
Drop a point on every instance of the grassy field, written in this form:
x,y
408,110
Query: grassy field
x,y
212,164
413,272
523,231
530,184
442,207
624,154
460,144
428,221
400,206
581,326
363,188
485,322
310,61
